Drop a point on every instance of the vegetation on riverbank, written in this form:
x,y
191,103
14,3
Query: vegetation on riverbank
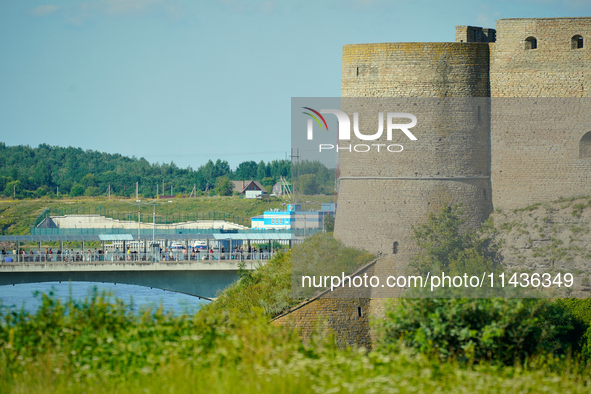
x,y
99,345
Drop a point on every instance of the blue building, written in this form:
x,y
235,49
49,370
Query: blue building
x,y
293,218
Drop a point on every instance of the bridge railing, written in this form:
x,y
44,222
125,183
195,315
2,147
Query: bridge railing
x,y
115,257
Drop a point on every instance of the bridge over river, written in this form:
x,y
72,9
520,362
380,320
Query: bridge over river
x,y
198,278
200,273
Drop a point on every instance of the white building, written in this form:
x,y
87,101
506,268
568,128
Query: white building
x,y
293,218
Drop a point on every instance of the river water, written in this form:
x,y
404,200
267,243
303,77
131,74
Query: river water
x,y
21,295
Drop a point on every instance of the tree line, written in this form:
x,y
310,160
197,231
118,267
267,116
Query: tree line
x,y
27,172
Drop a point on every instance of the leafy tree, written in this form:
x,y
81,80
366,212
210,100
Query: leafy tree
x,y
446,246
261,171
42,175
91,191
329,223
246,170
13,188
40,192
268,183
77,191
4,181
88,180
224,187
307,184
66,186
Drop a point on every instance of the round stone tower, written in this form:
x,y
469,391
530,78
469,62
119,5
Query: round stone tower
x,y
383,194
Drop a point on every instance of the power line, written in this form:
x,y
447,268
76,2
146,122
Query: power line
x,y
210,154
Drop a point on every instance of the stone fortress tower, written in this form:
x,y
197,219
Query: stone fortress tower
x,y
491,134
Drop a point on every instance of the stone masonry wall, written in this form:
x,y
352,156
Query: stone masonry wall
x,y
415,70
348,318
381,194
535,143
345,311
474,34
553,69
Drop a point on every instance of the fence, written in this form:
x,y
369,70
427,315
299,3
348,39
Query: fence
x,y
41,217
89,257
146,232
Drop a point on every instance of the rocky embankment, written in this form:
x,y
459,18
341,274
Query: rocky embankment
x,y
552,237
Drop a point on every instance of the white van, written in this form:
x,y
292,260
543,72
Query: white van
x,y
200,245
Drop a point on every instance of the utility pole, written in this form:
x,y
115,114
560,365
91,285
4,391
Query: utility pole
x,y
137,185
294,161
139,204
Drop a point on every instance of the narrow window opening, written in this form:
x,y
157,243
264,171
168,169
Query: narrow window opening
x,y
576,42
359,311
531,43
585,146
357,71
395,248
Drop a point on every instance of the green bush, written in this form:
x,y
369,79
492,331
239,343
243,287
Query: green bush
x,y
449,247
322,255
580,309
77,191
474,330
267,287
40,192
92,191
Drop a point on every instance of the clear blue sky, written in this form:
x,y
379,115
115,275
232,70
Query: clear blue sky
x,y
189,81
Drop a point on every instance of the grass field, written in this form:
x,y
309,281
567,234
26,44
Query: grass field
x,y
17,216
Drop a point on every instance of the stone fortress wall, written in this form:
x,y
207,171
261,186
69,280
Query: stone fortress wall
x,y
495,150
505,141
536,142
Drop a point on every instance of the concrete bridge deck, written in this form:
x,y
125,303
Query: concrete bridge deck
x,y
203,279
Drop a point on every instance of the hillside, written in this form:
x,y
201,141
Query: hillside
x,y
548,237
27,172
17,216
